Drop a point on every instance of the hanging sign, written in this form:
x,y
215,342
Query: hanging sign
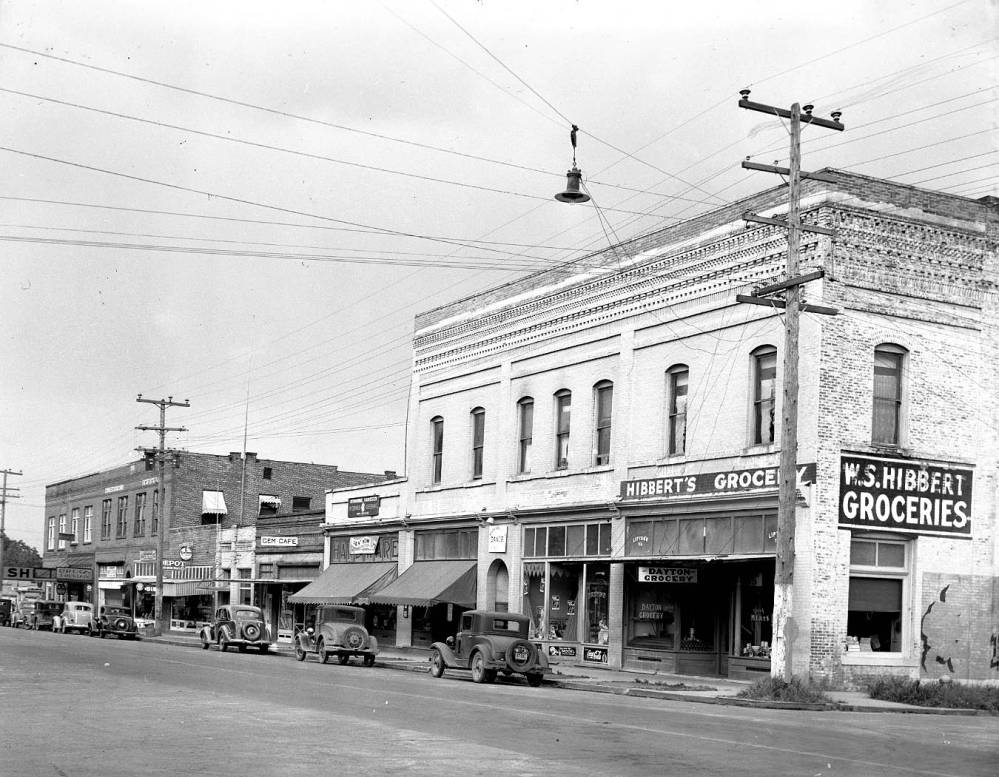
x,y
497,539
364,544
666,575
904,496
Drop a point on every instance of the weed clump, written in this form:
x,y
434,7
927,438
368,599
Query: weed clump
x,y
777,689
934,694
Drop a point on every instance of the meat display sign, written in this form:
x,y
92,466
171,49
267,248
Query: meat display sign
x,y
905,496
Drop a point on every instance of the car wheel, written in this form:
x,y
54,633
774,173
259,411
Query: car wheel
x,y
204,642
534,679
521,656
321,652
223,642
479,671
369,660
299,651
343,658
436,663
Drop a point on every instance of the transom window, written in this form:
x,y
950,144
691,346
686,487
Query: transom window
x,y
446,544
560,540
887,411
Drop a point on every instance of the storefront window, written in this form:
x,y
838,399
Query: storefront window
x,y
652,614
755,602
877,579
563,601
534,599
597,589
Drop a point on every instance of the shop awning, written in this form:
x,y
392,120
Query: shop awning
x,y
213,503
189,588
431,582
346,583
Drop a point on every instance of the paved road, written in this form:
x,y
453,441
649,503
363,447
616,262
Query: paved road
x,y
74,706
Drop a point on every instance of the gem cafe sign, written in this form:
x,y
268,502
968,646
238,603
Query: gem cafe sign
x,y
278,542
904,496
666,575
712,483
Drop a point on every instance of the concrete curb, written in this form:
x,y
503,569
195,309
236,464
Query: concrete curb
x,y
595,686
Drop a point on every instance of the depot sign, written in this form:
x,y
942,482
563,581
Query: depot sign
x,y
905,496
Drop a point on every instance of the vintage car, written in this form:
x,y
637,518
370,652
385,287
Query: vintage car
x,y
75,616
114,620
339,631
237,625
36,613
489,642
7,607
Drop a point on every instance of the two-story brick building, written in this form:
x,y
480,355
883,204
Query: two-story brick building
x,y
210,504
599,444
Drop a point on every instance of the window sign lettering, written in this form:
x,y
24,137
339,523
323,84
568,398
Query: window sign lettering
x,y
365,543
666,575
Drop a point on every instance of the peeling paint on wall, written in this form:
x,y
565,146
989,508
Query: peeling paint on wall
x,y
927,647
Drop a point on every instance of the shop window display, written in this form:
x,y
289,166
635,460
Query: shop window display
x,y
756,606
563,602
652,617
597,603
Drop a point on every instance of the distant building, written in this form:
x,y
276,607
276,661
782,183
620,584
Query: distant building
x,y
598,444
108,523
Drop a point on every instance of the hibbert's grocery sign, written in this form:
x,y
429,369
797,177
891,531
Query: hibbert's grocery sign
x,y
903,495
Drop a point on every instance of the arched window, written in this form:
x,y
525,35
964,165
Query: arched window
x,y
677,378
603,403
889,362
525,434
764,394
437,448
563,410
478,441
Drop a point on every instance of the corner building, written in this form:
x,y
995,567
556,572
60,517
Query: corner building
x,y
607,434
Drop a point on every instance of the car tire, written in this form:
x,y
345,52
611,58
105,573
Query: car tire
x,y
223,642
321,652
343,658
514,648
299,651
534,679
369,660
353,637
205,644
479,672
437,665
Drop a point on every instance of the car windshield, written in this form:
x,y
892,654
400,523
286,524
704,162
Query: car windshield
x,y
246,615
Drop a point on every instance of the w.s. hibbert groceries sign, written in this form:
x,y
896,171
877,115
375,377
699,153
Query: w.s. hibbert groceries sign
x,y
904,496
712,483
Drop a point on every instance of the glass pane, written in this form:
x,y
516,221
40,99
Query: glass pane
x,y
718,535
529,543
597,587
749,534
639,539
770,531
874,617
863,553
592,539
872,594
563,602
667,537
575,540
891,555
691,536
605,539
556,540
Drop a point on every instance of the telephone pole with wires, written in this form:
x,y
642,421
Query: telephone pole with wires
x,y
783,623
161,455
5,494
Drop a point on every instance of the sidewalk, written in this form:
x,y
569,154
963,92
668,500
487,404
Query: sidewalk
x,y
704,690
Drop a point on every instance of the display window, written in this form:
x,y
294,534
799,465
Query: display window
x,y
672,608
878,574
754,610
563,601
567,602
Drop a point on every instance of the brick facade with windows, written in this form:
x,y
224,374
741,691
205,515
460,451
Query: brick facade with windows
x,y
902,382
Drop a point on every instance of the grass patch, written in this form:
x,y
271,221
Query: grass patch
x,y
674,686
935,694
775,689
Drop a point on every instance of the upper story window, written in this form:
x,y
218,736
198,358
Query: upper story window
x,y
437,449
876,616
139,527
267,473
525,434
446,544
677,378
889,361
764,394
299,504
478,438
154,518
50,539
105,519
563,411
74,525
121,527
269,504
603,402
88,524
62,530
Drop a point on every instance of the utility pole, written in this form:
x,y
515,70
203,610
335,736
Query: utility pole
x,y
4,496
161,456
784,629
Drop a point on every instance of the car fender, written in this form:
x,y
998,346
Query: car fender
x,y
372,644
206,634
329,634
450,659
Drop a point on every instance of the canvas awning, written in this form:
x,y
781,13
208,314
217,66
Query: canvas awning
x,y
432,582
346,583
213,503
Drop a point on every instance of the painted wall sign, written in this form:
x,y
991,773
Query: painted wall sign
x,y
363,506
366,544
278,542
666,575
497,539
904,495
50,573
113,489
170,563
712,483
595,655
147,555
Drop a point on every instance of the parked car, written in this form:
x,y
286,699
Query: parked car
x,y
489,642
75,616
237,624
36,613
7,607
114,620
340,632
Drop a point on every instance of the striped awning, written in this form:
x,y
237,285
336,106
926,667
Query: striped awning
x,y
213,503
427,583
347,583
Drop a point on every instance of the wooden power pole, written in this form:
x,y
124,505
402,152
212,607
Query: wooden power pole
x,y
6,492
161,456
783,631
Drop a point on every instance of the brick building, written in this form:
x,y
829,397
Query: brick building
x,y
599,442
109,522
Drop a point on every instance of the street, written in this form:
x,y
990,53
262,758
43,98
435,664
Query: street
x,y
75,706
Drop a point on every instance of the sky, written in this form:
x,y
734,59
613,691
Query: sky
x,y
245,204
